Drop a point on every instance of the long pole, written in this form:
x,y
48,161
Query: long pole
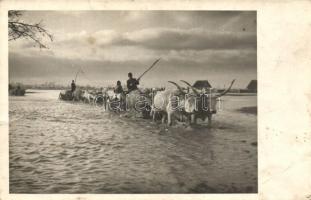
x,y
77,74
155,62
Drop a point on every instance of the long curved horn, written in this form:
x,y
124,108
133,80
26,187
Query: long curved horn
x,y
227,90
193,89
181,90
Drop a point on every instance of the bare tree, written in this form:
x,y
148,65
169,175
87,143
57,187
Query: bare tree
x,y
20,29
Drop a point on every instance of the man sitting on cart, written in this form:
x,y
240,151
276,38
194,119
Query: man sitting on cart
x,y
131,83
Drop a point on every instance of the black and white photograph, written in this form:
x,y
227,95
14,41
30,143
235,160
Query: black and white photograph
x,y
132,101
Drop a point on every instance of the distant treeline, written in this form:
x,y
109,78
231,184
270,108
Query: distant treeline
x,y
53,86
16,90
42,86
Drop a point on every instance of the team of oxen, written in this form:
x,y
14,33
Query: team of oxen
x,y
167,105
91,97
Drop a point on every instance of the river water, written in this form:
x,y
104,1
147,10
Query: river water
x,y
65,147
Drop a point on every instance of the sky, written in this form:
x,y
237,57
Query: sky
x,y
217,46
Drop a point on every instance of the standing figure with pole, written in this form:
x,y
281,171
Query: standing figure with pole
x,y
73,86
133,82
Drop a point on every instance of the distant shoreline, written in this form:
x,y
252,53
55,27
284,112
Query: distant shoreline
x,y
228,94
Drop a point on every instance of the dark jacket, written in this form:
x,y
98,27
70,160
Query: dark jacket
x,y
118,89
73,87
132,84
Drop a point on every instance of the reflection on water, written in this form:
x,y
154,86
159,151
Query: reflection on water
x,y
64,147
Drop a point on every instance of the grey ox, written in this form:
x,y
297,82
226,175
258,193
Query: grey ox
x,y
193,104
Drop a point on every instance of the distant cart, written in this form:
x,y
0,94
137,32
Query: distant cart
x,y
16,91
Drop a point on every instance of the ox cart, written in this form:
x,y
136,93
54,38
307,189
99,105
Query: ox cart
x,y
136,102
66,95
98,98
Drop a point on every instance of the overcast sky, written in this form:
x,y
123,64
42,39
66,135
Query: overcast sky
x,y
193,45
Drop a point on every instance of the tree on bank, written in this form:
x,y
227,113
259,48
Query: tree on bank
x,y
19,29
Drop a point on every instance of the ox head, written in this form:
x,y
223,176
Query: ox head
x,y
192,99
202,101
188,99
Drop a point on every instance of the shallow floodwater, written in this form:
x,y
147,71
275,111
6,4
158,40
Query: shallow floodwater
x,y
65,147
